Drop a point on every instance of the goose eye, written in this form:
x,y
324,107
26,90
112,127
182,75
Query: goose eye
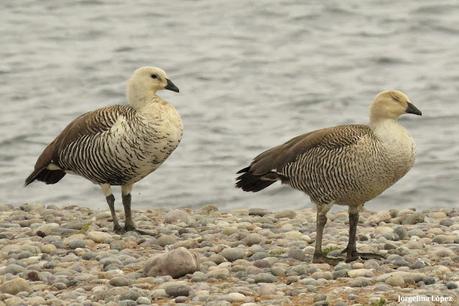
x,y
396,98
154,76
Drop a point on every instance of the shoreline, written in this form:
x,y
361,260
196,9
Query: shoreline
x,y
70,256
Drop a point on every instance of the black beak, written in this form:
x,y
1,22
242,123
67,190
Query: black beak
x,y
171,86
411,109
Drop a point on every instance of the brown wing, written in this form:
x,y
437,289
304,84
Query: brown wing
x,y
278,157
90,123
260,173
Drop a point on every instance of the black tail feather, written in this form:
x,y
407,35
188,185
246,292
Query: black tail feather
x,y
45,175
250,182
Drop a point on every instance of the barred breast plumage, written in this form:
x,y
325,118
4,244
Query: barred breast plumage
x,y
120,146
117,145
346,165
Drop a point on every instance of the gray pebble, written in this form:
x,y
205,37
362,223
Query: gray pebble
x,y
397,260
451,285
117,245
127,303
15,286
89,255
60,286
259,255
285,214
232,254
325,275
446,222
292,279
131,294
143,300
361,282
164,240
401,233
413,218
342,265
444,239
262,263
418,264
14,269
265,278
77,243
258,212
389,246
278,271
297,254
428,280
119,281
199,276
217,258
416,232
340,273
178,290
181,299
252,239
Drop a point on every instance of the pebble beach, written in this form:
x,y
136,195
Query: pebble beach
x,y
52,255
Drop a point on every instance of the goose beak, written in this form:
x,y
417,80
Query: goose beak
x,y
411,109
171,86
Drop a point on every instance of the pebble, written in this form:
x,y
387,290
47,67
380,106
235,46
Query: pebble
x,y
267,289
413,218
360,273
47,229
176,263
127,303
290,214
361,282
235,297
451,285
177,215
395,280
15,286
99,237
158,293
77,243
297,254
258,212
143,300
264,278
178,290
14,269
119,281
444,239
165,240
446,222
219,273
252,239
232,254
322,275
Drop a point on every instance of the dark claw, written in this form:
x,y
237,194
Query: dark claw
x,y
129,228
320,258
118,229
364,256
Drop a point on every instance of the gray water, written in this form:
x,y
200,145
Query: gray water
x,y
252,74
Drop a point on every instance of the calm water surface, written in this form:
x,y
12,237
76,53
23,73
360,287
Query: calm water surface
x,y
252,74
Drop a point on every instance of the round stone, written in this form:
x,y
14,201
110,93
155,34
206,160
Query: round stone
x,y
178,290
232,254
265,278
395,281
451,285
119,281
